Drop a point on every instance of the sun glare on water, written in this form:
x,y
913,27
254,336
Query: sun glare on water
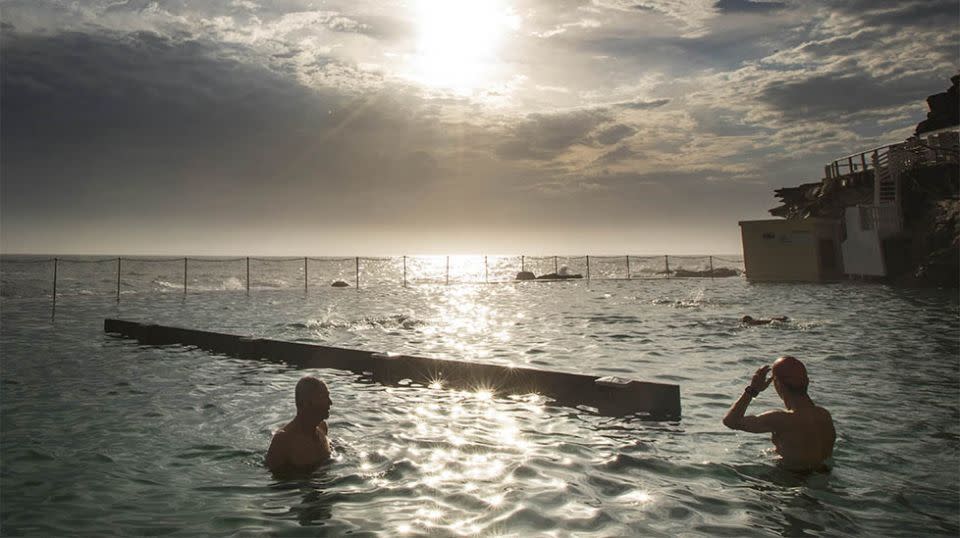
x,y
458,42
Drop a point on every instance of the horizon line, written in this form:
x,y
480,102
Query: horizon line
x,y
181,256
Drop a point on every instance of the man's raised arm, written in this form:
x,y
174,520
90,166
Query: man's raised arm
x,y
736,417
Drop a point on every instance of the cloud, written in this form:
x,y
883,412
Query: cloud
x,y
748,6
836,96
621,153
615,133
561,28
924,14
144,123
692,16
722,122
270,109
546,136
643,105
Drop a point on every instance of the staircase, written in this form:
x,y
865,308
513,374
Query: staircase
x,y
885,179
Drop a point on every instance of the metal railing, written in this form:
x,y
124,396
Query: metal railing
x,y
932,147
118,276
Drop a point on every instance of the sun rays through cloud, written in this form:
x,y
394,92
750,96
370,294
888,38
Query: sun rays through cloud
x,y
471,126
458,43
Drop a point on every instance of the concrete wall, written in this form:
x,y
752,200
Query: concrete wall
x,y
862,251
791,250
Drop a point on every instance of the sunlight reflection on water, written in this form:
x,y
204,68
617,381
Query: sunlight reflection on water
x,y
90,422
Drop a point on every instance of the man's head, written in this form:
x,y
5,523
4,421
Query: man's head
x,y
790,376
312,398
746,319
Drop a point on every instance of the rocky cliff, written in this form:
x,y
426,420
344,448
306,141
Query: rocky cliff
x,y
928,252
944,109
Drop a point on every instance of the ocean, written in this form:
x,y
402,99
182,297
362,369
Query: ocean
x,y
100,436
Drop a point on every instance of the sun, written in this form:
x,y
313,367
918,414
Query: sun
x,y
458,42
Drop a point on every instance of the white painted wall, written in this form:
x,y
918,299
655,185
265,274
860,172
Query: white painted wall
x,y
862,251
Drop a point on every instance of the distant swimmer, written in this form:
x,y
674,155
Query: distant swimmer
x,y
747,320
303,442
803,433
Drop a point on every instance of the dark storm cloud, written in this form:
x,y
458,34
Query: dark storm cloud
x,y
830,97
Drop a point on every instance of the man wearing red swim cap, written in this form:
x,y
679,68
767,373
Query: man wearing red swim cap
x,y
803,433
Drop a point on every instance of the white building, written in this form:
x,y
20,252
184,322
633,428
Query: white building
x,y
868,228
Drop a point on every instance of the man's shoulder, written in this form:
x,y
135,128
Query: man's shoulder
x,y
283,433
776,418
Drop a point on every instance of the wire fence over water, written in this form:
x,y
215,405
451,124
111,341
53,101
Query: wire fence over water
x,y
36,276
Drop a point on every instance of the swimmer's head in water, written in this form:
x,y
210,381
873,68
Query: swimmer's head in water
x,y
312,397
790,374
746,319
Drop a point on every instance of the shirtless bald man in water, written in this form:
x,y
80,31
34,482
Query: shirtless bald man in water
x,y
303,442
803,433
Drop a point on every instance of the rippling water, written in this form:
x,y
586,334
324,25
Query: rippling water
x,y
102,436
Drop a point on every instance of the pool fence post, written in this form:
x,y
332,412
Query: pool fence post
x,y
628,266
486,271
53,310
118,280
711,266
305,274
404,271
357,261
556,270
448,271
666,264
588,268
184,277
248,275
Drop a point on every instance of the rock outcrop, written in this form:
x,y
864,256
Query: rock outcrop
x,y
826,199
931,213
944,109
927,253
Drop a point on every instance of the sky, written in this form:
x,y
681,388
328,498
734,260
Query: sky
x,y
296,127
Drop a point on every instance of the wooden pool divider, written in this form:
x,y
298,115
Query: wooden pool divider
x,y
611,396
